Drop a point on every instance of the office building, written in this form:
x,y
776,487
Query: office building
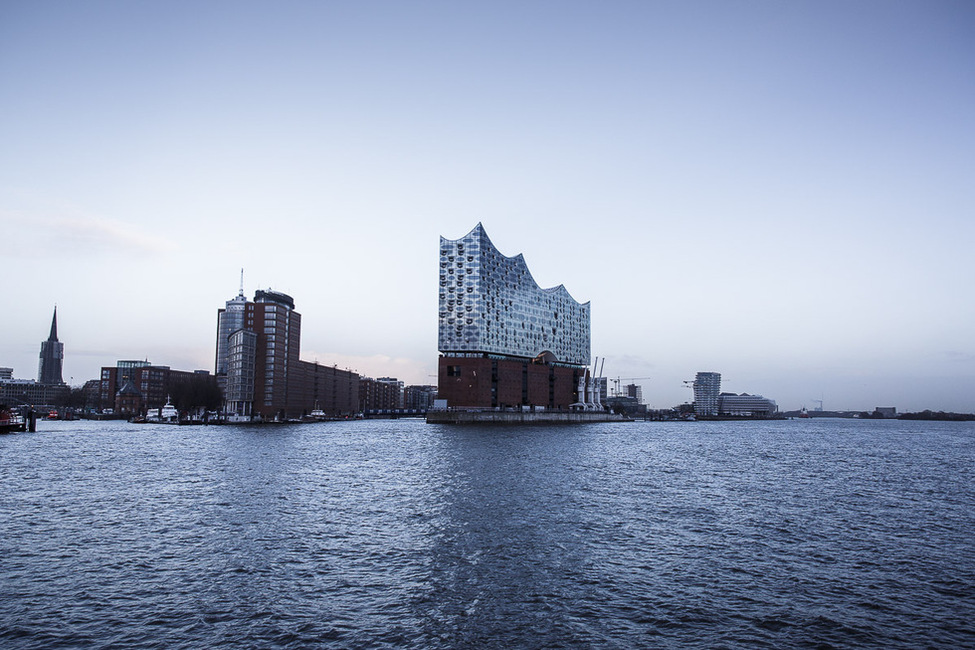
x,y
259,368
503,340
230,319
260,354
634,391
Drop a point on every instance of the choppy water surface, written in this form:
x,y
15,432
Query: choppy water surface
x,y
823,533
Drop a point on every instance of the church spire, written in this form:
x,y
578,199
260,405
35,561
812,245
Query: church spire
x,y
54,326
51,357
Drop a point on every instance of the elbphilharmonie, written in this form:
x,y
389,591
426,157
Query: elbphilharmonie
x,y
504,341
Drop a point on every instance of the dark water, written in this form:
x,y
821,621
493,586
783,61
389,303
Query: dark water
x,y
390,534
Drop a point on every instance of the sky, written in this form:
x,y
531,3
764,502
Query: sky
x,y
781,192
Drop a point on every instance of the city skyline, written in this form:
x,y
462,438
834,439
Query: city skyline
x,y
778,193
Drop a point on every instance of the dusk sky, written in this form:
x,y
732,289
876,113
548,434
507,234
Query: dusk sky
x,y
782,192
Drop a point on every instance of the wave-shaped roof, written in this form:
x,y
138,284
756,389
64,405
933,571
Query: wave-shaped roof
x,y
517,260
491,303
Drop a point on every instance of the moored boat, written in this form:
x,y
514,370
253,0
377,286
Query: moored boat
x,y
11,421
167,414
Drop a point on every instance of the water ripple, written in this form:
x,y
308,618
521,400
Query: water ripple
x,y
814,534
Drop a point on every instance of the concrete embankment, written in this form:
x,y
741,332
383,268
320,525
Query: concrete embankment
x,y
521,417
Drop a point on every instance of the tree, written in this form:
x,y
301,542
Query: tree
x,y
198,391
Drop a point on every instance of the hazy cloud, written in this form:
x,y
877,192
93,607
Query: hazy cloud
x,y
405,369
78,235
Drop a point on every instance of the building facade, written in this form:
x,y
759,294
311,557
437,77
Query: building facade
x,y
745,405
634,391
326,388
273,318
230,319
504,341
490,304
16,392
419,398
132,388
384,394
707,389
709,401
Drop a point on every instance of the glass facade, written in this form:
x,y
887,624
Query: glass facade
x,y
229,320
242,347
491,304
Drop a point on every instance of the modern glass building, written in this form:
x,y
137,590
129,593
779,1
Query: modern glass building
x,y
229,320
489,303
504,341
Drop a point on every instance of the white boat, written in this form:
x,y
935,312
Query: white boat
x,y
165,415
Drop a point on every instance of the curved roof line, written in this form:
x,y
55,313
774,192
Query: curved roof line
x,y
519,260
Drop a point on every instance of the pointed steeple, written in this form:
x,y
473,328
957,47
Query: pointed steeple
x,y
54,326
52,356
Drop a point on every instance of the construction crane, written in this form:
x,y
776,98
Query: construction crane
x,y
621,379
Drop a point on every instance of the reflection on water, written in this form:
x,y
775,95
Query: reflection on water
x,y
396,533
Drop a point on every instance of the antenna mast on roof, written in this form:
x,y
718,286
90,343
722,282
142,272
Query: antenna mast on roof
x,y
242,281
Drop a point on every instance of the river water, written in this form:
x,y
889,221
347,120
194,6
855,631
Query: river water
x,y
388,534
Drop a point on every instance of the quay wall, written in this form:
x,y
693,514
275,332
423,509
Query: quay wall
x,y
521,417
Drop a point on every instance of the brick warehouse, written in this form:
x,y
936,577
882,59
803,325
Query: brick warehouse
x,y
497,382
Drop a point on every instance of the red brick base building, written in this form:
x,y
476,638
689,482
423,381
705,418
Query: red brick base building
x,y
490,382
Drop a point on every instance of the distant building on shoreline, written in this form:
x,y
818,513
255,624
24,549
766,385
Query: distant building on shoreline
x,y
51,357
258,366
503,340
745,405
419,398
633,391
131,388
707,388
15,392
49,389
709,401
383,394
